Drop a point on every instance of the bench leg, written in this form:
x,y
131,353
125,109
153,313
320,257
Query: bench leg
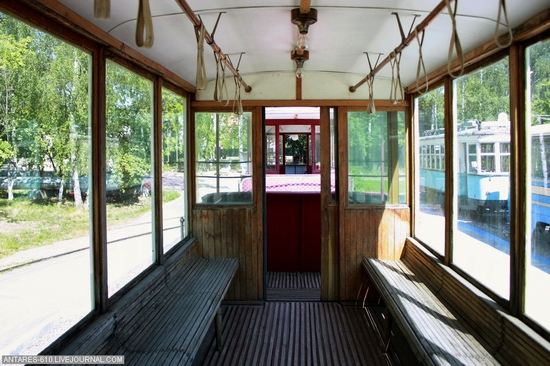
x,y
387,329
218,326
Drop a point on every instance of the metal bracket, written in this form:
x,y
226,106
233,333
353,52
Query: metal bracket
x,y
215,26
403,37
370,64
238,63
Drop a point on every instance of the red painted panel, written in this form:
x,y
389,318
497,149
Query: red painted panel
x,y
293,232
310,256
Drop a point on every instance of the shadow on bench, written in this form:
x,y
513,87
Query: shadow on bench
x,y
445,319
163,320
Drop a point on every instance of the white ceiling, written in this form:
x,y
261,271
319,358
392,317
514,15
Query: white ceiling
x,y
345,30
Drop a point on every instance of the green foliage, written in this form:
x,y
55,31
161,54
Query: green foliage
x,y
484,94
6,152
431,110
45,104
296,148
31,224
539,75
173,129
168,195
129,125
233,134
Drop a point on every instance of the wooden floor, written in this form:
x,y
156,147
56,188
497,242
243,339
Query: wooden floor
x,y
294,333
290,286
302,331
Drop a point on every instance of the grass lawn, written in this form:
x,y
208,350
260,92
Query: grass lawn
x,y
26,224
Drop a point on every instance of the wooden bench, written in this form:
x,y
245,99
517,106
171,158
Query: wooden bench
x,y
445,319
165,318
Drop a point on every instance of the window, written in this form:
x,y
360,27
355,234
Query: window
x,y
505,157
430,215
223,149
271,149
537,287
472,158
129,168
333,154
481,243
376,159
44,165
174,198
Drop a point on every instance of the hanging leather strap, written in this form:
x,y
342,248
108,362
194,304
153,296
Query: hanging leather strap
x,y
102,9
502,10
144,25
237,101
201,80
397,92
455,43
421,67
220,89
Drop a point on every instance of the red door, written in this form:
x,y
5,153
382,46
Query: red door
x,y
293,232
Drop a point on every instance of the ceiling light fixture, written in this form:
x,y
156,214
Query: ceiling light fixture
x,y
303,20
300,54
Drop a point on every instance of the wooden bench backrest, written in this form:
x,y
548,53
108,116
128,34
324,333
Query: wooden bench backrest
x,y
505,336
101,331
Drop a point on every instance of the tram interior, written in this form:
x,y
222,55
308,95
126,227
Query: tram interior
x,y
207,182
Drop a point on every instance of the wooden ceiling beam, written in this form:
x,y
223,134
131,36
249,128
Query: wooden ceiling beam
x,y
305,5
210,40
419,28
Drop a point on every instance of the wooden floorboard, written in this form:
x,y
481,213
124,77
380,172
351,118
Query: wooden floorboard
x,y
297,333
294,328
293,286
306,280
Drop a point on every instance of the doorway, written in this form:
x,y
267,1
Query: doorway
x,y
293,204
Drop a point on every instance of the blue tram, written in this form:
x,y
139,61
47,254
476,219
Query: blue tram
x,y
483,166
483,171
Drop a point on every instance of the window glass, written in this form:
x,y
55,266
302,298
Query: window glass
x,y
482,239
44,199
317,156
430,215
376,145
271,149
174,207
128,167
224,158
333,154
537,289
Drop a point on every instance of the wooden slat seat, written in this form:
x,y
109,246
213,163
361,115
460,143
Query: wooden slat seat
x,y
446,320
168,322
435,334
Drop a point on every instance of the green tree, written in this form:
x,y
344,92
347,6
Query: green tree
x,y
173,134
431,110
13,57
484,94
45,103
129,123
539,74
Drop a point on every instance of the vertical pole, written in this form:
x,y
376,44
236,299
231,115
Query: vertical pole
x,y
450,208
157,160
98,211
519,158
217,151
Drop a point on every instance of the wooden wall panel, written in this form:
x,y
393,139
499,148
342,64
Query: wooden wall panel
x,y
330,254
233,233
227,231
377,232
